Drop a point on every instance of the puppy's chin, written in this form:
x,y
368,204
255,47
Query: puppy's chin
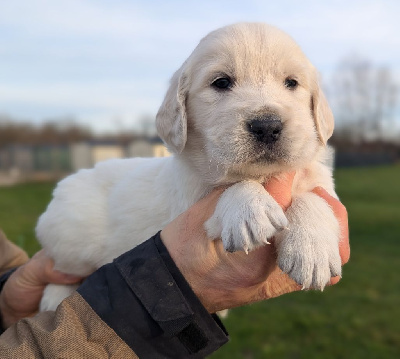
x,y
234,161
256,165
260,161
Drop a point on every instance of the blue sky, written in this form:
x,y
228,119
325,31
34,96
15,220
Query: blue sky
x,y
107,63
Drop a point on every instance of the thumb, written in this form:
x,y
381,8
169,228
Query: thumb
x,y
280,188
47,274
57,277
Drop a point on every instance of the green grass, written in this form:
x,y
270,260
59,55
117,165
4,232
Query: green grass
x,y
20,207
358,318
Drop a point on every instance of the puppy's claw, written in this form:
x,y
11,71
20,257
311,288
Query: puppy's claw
x,y
229,247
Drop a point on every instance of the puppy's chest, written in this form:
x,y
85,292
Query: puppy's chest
x,y
307,179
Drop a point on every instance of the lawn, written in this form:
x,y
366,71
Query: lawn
x,y
20,207
358,318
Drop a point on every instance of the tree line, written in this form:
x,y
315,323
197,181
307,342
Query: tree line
x,y
52,132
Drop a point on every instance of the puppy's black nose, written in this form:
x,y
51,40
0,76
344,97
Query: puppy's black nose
x,y
266,130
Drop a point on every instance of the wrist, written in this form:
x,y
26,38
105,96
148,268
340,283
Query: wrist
x,y
218,299
212,280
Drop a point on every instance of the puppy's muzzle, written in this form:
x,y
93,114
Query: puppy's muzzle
x,y
266,129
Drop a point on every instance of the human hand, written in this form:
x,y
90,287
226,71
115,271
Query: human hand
x,y
225,280
23,291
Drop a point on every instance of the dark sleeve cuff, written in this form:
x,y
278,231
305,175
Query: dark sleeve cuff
x,y
145,299
3,279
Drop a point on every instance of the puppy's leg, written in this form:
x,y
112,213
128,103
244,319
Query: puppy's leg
x,y
54,294
246,216
309,249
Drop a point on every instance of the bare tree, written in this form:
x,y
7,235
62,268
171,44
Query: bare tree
x,y
364,98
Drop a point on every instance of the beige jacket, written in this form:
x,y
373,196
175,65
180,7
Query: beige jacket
x,y
73,331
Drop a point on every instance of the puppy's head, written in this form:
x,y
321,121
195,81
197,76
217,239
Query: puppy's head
x,y
246,103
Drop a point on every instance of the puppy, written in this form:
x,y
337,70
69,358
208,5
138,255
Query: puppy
x,y
246,105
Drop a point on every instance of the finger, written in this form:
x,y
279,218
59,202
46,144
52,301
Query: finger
x,y
341,214
43,272
334,280
280,188
56,277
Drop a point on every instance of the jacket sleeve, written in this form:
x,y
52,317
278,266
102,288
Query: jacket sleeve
x,y
138,306
10,255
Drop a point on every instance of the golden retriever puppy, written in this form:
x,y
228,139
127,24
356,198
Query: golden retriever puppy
x,y
246,105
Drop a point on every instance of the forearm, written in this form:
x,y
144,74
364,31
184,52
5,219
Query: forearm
x,y
139,304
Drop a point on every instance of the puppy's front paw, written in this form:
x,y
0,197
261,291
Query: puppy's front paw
x,y
246,216
309,250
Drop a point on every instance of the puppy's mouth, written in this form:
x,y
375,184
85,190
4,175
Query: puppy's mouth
x,y
267,154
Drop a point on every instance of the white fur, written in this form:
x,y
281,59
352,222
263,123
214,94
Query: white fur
x,y
246,216
98,214
316,233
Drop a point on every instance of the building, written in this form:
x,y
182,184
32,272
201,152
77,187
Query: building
x,y
33,162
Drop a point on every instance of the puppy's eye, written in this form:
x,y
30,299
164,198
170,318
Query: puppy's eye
x,y
291,83
223,83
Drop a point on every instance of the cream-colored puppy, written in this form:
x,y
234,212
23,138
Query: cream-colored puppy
x,y
245,105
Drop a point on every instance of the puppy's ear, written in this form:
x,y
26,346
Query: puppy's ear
x,y
322,113
171,119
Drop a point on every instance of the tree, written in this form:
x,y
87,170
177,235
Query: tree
x,y
364,98
55,132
